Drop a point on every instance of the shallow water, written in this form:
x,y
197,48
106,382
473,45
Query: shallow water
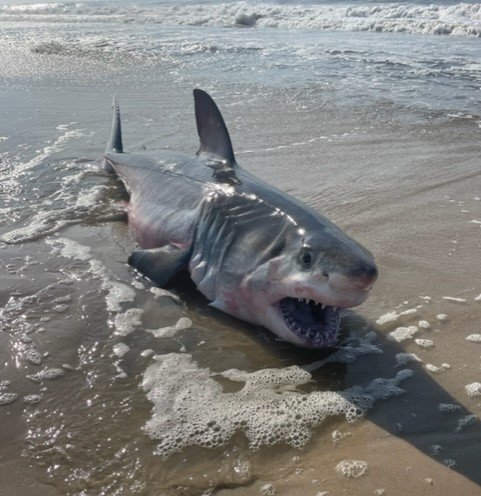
x,y
398,173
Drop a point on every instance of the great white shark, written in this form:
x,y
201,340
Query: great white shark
x,y
254,251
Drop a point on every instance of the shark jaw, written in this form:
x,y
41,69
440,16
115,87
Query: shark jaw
x,y
303,310
316,325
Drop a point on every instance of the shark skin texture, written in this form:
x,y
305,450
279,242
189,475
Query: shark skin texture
x,y
254,251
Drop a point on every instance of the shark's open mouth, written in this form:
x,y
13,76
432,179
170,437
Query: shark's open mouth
x,y
315,324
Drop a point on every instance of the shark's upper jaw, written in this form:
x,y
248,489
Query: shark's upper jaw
x,y
314,324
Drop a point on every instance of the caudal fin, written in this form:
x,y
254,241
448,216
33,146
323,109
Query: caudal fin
x,y
115,144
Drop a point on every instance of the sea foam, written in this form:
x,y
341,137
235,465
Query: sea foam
x,y
191,407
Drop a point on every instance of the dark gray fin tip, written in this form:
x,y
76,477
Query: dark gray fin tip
x,y
213,134
115,142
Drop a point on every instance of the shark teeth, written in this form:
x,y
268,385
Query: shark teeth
x,y
316,324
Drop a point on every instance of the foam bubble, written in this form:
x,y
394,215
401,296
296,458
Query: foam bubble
x,y
448,407
60,308
121,374
473,389
67,366
171,331
62,299
267,490
126,322
402,333
433,368
191,408
163,292
118,293
478,298
32,399
476,338
466,421
404,358
424,343
137,284
120,349
46,374
424,324
338,436
449,462
441,317
31,355
7,398
268,378
387,317
436,449
394,316
352,468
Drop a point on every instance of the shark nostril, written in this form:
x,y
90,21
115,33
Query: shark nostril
x,y
372,272
368,275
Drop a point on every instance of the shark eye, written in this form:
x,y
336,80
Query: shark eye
x,y
306,259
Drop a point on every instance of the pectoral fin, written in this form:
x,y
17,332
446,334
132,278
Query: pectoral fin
x,y
159,264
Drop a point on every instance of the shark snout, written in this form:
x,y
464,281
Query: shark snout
x,y
365,277
353,288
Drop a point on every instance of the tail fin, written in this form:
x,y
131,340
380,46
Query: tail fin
x,y
115,141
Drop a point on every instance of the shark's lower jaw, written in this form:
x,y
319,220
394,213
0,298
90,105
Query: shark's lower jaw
x,y
316,325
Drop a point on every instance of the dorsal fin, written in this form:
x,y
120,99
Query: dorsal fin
x,y
115,141
213,134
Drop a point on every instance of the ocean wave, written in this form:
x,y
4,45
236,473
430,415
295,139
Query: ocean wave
x,y
136,49
463,19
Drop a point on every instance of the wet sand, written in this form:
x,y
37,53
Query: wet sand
x,y
405,184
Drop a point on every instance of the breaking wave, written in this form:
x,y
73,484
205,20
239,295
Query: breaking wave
x,y
463,19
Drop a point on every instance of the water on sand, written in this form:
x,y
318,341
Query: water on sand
x,y
111,386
